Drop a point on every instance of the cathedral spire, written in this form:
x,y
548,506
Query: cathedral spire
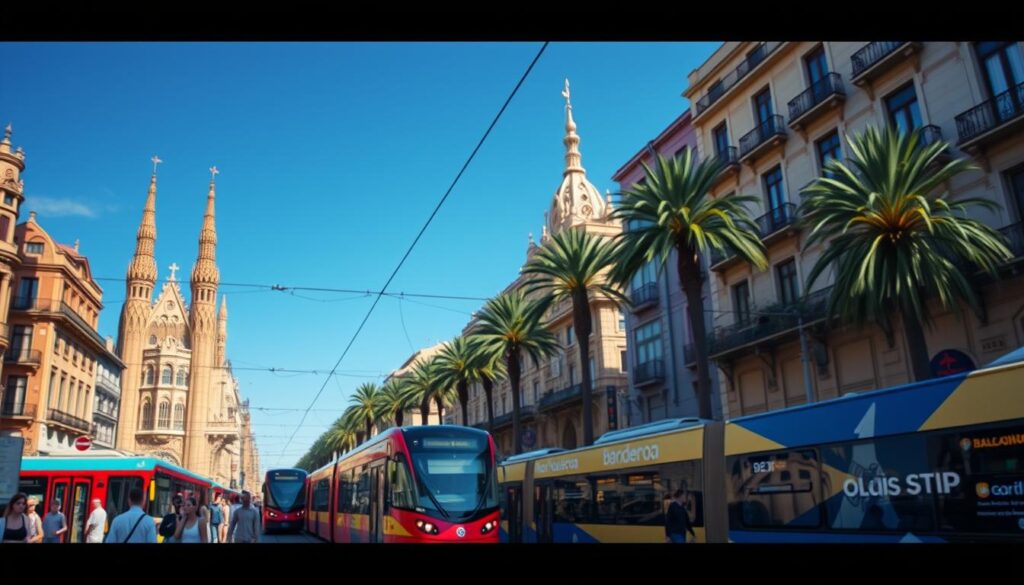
x,y
205,271
143,264
576,201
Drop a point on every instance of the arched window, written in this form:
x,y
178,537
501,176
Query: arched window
x,y
149,375
164,415
147,416
180,381
166,376
179,416
186,377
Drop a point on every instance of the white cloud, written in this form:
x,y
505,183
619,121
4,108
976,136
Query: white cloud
x,y
63,207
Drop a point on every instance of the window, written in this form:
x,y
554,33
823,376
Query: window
x,y
568,335
572,374
117,493
166,376
149,375
720,136
63,387
179,417
402,494
1003,69
164,415
152,339
903,111
21,342
648,342
5,227
828,150
741,302
14,395
52,389
763,492
716,90
763,108
622,361
322,495
817,69
789,286
361,499
775,194
34,248
27,290
180,379
622,320
647,275
556,365
147,416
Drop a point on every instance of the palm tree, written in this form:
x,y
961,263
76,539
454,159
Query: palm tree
x,y
395,399
673,211
343,436
574,264
455,369
366,404
893,240
510,325
488,366
422,383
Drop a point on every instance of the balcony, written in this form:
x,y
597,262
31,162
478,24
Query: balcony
x,y
719,89
24,357
644,296
816,100
769,323
649,372
560,398
58,308
767,135
778,221
1015,234
730,161
505,420
68,420
992,120
18,410
874,59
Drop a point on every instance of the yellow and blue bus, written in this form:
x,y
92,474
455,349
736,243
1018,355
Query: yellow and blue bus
x,y
935,461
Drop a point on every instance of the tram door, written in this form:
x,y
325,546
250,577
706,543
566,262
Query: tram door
x,y
377,503
79,511
542,511
514,511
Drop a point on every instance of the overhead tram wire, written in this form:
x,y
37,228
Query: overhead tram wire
x,y
412,246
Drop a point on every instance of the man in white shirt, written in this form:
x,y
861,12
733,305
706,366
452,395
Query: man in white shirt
x,y
94,526
132,526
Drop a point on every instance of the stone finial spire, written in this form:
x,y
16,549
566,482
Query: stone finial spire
x,y
143,264
573,158
205,271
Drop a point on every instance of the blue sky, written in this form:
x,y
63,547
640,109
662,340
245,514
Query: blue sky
x,y
332,155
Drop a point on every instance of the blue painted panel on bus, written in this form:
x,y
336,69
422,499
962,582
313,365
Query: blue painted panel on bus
x,y
566,532
898,410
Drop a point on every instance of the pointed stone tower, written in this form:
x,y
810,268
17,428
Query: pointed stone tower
x,y
135,313
203,317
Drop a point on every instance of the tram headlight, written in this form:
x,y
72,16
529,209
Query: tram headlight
x,y
427,527
271,514
489,526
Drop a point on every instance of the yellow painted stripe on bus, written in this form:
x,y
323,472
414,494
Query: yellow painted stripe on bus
x,y
740,440
393,527
682,446
984,396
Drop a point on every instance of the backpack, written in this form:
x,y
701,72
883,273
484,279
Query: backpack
x,y
168,525
216,516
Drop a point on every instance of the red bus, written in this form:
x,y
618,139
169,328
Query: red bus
x,y
284,499
409,484
76,481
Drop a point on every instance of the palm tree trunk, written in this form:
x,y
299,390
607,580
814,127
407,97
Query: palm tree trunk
x,y
513,378
583,323
369,427
463,388
440,408
425,410
692,282
917,347
489,393
399,417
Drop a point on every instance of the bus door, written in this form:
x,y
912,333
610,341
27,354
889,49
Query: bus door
x,y
542,511
79,511
60,492
514,511
377,502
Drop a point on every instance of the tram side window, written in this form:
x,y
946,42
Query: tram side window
x,y
33,487
345,492
117,494
572,498
362,495
161,504
322,495
402,490
685,475
775,490
630,498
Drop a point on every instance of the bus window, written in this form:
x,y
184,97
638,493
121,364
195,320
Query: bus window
x,y
402,490
117,494
161,504
35,487
775,490
687,476
572,500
